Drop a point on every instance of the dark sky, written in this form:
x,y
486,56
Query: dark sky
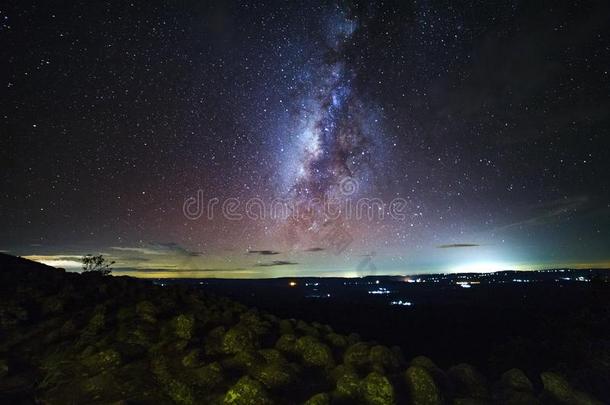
x,y
487,122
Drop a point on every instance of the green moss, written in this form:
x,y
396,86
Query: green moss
x,y
421,386
306,329
213,341
179,392
516,379
208,377
357,355
314,352
184,326
286,327
377,390
272,375
243,361
347,387
146,311
383,358
336,340
286,343
247,392
106,359
239,339
319,399
468,381
192,359
272,356
94,326
557,388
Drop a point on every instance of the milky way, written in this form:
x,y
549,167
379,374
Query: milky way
x,y
336,144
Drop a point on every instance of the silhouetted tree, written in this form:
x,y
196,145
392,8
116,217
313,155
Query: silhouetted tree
x,y
96,263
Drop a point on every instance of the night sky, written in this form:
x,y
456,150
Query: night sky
x,y
487,121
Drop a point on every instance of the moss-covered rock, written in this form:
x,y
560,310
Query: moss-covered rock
x,y
146,311
213,341
253,321
207,377
52,305
319,399
247,391
238,339
272,375
104,360
287,343
516,379
421,387
314,352
383,359
468,382
243,361
286,327
336,340
272,356
376,389
179,392
347,387
440,377
183,326
94,326
306,329
192,358
357,355
557,388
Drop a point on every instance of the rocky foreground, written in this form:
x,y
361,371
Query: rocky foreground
x,y
67,338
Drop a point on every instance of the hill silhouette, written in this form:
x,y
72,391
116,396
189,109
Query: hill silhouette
x,y
85,338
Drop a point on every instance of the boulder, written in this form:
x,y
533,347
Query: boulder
x,y
357,355
101,361
307,329
192,359
557,390
183,326
272,375
318,399
146,311
347,387
286,343
247,391
376,389
314,352
422,387
336,340
207,377
383,359
516,380
468,382
213,341
239,338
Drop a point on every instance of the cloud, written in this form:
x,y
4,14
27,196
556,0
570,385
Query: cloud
x,y
276,263
63,261
174,248
551,212
264,252
166,270
458,245
314,249
157,248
